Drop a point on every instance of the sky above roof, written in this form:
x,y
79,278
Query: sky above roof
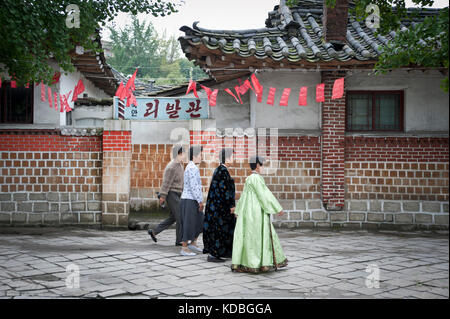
x,y
218,14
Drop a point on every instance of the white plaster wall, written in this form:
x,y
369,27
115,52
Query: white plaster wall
x,y
67,84
228,113
426,104
293,116
45,116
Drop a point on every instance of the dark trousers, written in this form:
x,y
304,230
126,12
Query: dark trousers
x,y
173,202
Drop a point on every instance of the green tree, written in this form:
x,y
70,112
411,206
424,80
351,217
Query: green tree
x,y
35,31
158,57
424,44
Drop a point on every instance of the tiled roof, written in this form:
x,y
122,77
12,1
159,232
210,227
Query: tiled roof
x,y
293,38
95,68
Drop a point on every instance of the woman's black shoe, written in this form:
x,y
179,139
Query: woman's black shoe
x,y
214,259
150,232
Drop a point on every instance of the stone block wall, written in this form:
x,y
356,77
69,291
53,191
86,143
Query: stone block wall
x,y
116,176
50,179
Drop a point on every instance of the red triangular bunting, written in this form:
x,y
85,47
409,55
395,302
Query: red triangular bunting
x,y
55,100
271,97
232,94
42,92
285,97
50,101
13,84
320,92
258,87
213,98
192,86
237,89
79,88
338,89
303,98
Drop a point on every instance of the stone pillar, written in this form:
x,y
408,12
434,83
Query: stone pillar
x,y
116,173
333,145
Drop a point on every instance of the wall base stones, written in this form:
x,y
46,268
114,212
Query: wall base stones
x,y
37,209
369,214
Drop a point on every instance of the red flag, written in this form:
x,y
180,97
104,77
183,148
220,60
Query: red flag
x,y
285,97
271,97
212,95
0,82
338,89
130,84
236,88
259,98
192,86
79,88
120,93
55,78
13,84
232,94
320,92
131,99
303,98
64,102
213,98
248,85
42,92
55,100
258,87
61,102
50,102
27,86
207,90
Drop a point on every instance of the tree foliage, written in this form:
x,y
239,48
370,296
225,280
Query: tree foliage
x,y
157,56
33,31
423,44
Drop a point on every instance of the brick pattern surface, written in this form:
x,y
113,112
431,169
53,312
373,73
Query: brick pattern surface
x,y
333,141
50,179
116,178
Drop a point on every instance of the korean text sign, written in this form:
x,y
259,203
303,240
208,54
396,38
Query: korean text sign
x,y
157,109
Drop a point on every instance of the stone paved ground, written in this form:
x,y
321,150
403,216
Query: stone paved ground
x,y
322,264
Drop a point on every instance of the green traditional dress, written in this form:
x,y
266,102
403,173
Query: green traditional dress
x,y
256,247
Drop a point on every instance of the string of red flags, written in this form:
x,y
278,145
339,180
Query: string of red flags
x,y
254,85
52,97
126,92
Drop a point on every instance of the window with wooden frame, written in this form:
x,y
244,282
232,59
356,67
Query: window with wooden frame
x,y
380,111
16,104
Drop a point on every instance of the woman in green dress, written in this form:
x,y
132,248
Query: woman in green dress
x,y
256,247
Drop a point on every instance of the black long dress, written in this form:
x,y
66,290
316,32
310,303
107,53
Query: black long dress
x,y
219,223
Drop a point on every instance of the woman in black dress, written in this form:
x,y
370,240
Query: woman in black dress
x,y
219,220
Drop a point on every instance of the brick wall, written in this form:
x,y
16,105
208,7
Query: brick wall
x,y
296,161
48,178
333,140
397,168
116,177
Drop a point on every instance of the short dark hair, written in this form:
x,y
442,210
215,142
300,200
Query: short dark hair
x,y
224,154
177,150
254,160
194,151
